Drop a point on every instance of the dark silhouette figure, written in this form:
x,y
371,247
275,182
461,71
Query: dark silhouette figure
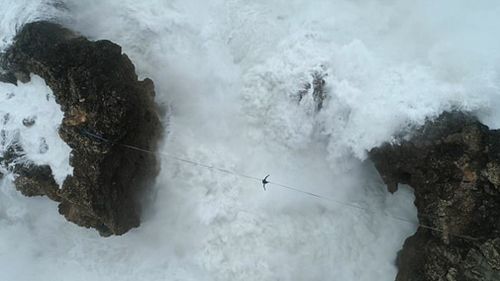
x,y
264,182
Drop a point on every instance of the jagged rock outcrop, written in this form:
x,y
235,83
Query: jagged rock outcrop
x,y
316,88
101,97
453,164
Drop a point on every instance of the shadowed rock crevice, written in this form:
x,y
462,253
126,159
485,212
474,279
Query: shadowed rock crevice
x,y
453,164
99,93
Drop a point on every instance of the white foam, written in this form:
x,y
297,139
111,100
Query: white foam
x,y
228,69
16,13
40,142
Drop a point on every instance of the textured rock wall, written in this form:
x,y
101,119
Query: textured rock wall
x,y
99,93
453,164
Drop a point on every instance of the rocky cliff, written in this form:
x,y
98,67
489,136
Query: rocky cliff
x,y
453,164
105,107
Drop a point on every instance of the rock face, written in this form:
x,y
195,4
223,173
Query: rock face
x,y
101,97
316,88
453,164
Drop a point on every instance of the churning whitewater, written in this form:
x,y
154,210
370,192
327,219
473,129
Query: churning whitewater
x,y
229,72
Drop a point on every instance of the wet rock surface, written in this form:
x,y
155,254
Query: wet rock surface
x,y
319,92
315,88
453,164
101,97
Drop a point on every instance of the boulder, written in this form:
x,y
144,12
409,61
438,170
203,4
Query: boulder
x,y
452,163
106,110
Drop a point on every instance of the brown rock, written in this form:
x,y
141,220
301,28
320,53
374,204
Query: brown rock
x,y
452,163
102,99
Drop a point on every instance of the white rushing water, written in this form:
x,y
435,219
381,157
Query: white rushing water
x,y
30,117
229,71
